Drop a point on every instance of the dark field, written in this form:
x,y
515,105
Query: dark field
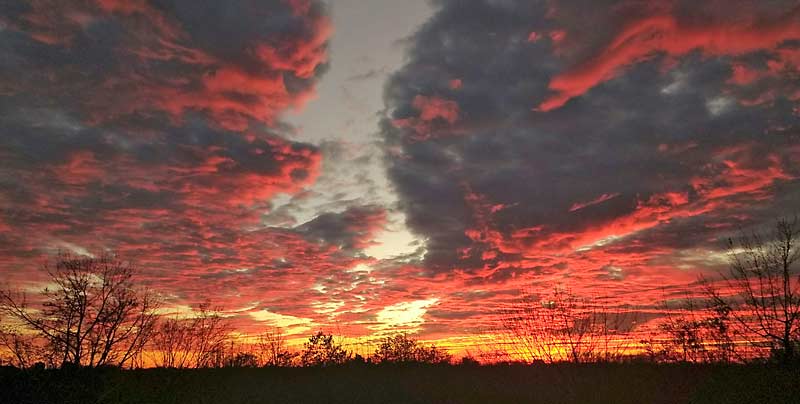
x,y
623,383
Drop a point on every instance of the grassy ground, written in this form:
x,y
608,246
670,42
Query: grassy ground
x,y
607,383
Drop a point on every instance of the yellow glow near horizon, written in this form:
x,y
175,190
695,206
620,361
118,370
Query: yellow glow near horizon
x,y
289,324
408,316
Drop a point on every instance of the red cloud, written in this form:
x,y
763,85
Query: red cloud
x,y
231,96
645,38
742,75
770,81
225,180
231,92
431,108
432,112
144,9
300,7
365,224
81,168
300,57
184,198
600,199
736,175
557,36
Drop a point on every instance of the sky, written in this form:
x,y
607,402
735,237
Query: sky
x,y
370,167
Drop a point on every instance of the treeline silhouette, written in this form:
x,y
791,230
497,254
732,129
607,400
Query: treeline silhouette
x,y
94,314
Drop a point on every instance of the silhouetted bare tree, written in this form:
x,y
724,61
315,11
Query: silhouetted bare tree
x,y
195,342
91,314
402,349
761,290
692,332
565,327
322,350
23,351
236,357
272,349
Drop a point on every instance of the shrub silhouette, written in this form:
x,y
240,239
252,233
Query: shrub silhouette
x,y
322,350
241,360
402,349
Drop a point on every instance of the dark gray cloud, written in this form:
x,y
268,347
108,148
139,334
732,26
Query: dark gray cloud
x,y
352,229
689,153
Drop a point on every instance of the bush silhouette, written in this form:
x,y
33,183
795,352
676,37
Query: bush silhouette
x,y
322,350
402,349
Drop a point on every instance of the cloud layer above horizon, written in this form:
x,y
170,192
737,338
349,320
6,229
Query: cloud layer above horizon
x,y
604,146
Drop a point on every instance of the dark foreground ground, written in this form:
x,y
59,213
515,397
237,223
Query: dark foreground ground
x,y
625,383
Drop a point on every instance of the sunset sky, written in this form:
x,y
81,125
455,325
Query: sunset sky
x,y
372,166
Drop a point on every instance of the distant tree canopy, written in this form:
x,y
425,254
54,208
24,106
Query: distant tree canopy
x,y
91,314
322,350
402,349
